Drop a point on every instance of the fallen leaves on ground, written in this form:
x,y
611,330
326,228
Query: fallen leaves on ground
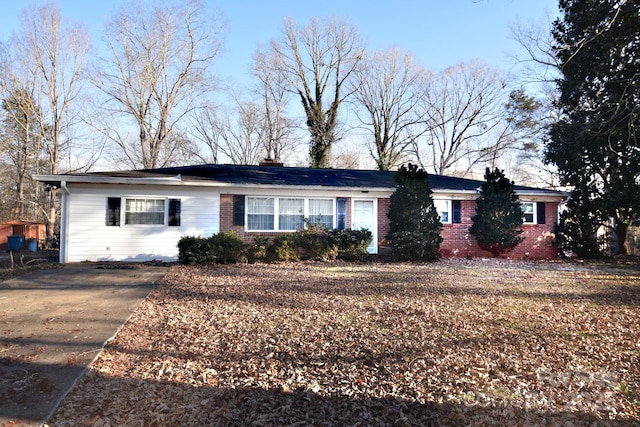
x,y
448,343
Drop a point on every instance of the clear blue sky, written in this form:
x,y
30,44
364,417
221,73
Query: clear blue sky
x,y
440,33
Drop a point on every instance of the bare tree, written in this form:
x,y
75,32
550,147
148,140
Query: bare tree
x,y
48,56
463,118
317,61
157,72
277,129
205,128
388,89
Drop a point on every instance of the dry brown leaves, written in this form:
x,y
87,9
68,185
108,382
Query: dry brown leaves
x,y
450,343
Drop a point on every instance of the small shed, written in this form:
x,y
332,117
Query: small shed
x,y
27,229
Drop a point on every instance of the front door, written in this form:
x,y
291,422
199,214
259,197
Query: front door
x,y
364,216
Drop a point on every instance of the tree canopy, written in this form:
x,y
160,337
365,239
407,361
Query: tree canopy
x,y
594,144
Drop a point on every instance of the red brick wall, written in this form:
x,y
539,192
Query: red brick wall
x,y
538,238
457,242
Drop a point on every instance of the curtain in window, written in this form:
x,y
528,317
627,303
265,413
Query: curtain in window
x,y
260,213
291,214
321,212
144,211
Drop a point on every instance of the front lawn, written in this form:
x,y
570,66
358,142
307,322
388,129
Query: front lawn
x,y
482,342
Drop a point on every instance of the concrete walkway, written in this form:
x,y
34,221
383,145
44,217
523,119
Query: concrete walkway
x,y
53,323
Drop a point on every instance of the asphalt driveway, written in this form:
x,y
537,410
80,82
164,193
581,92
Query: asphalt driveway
x,y
53,323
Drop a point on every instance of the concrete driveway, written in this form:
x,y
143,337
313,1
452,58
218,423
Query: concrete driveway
x,y
53,323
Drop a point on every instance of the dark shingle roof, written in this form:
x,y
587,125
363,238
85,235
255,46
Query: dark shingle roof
x,y
296,176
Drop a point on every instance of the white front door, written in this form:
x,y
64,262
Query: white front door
x,y
364,216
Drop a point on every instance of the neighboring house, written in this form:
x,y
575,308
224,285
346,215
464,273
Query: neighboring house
x,y
141,215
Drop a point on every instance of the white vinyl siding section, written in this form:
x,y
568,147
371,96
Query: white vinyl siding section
x,y
89,238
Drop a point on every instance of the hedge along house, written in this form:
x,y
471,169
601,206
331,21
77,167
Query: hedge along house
x,y
141,215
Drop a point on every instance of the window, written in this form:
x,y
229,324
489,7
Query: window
x,y
260,213
321,212
291,214
443,206
533,212
528,212
144,211
288,214
139,211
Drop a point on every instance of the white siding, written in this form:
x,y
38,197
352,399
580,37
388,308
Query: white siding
x,y
89,238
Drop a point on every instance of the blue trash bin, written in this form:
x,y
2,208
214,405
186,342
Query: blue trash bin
x,y
32,245
15,242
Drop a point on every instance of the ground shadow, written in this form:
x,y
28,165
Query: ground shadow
x,y
118,401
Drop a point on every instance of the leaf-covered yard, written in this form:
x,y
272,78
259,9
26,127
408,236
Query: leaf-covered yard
x,y
449,343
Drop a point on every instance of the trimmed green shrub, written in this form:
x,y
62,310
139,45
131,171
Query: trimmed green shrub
x,y
497,224
351,245
228,248
221,248
257,250
195,250
282,249
315,242
414,223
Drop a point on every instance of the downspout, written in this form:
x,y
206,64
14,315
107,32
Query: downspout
x,y
64,223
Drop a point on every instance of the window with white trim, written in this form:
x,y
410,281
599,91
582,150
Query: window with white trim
x,y
260,213
290,214
144,211
287,213
321,212
528,212
444,210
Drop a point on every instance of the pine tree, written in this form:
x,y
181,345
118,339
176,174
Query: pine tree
x,y
594,144
497,224
414,224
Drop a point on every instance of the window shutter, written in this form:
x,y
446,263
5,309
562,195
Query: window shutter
x,y
174,212
456,211
113,211
341,213
540,212
238,210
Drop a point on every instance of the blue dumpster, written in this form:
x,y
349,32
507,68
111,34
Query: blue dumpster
x,y
15,242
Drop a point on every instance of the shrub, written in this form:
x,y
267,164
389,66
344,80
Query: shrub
x,y
194,250
257,251
282,249
223,248
227,248
497,224
414,223
351,245
316,243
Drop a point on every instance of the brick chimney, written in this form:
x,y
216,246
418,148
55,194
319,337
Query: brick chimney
x,y
271,162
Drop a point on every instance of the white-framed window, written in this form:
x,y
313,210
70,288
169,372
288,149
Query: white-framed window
x,y
287,213
290,214
144,211
260,213
528,212
444,210
321,212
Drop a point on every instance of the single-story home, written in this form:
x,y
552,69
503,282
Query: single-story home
x,y
140,215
